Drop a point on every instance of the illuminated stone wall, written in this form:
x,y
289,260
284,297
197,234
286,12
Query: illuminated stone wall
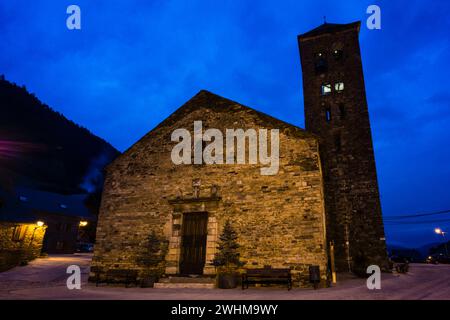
x,y
19,249
279,219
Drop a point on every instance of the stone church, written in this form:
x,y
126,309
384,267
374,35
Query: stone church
x,y
321,208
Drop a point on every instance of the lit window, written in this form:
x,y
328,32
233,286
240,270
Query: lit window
x,y
326,89
339,86
19,233
327,114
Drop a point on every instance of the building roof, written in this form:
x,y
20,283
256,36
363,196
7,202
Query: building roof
x,y
27,205
216,103
327,28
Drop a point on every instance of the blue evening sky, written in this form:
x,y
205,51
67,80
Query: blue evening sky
x,y
134,62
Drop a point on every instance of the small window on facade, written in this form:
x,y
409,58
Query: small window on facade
x,y
337,54
59,245
23,199
327,114
337,142
342,111
68,227
19,233
339,86
326,89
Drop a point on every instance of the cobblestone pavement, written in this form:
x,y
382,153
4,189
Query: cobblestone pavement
x,y
45,278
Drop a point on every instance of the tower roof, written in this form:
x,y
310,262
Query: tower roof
x,y
326,28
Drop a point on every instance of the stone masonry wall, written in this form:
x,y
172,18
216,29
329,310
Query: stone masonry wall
x,y
15,252
279,219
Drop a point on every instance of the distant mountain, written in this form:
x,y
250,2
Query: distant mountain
x,y
440,248
42,148
418,254
413,255
425,250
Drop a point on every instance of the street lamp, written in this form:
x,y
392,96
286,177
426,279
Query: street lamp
x,y
83,223
40,223
442,233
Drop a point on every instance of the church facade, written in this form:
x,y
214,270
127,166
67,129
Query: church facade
x,y
323,195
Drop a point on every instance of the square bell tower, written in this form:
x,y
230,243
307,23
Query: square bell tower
x,y
336,110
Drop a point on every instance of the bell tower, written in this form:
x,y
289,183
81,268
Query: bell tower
x,y
336,110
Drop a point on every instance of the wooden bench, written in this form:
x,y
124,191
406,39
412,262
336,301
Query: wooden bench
x,y
268,276
98,272
112,276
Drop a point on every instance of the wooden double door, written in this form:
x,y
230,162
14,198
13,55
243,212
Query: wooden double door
x,y
193,243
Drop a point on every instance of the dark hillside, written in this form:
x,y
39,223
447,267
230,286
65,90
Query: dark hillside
x,y
40,145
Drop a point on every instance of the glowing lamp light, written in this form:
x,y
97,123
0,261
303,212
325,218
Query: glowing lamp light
x,y
40,223
438,230
83,223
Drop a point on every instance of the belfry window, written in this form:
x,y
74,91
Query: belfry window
x,y
339,86
326,89
337,54
320,63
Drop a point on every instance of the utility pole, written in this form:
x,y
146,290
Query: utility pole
x,y
333,267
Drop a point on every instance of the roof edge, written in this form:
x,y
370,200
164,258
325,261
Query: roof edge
x,y
328,28
188,103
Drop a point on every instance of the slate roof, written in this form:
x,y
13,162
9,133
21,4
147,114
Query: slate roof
x,y
330,28
24,205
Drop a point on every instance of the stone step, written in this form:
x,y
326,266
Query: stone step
x,y
186,282
169,285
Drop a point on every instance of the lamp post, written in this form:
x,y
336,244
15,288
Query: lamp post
x,y
442,233
39,224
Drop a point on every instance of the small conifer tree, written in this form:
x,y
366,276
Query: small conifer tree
x,y
227,256
154,251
